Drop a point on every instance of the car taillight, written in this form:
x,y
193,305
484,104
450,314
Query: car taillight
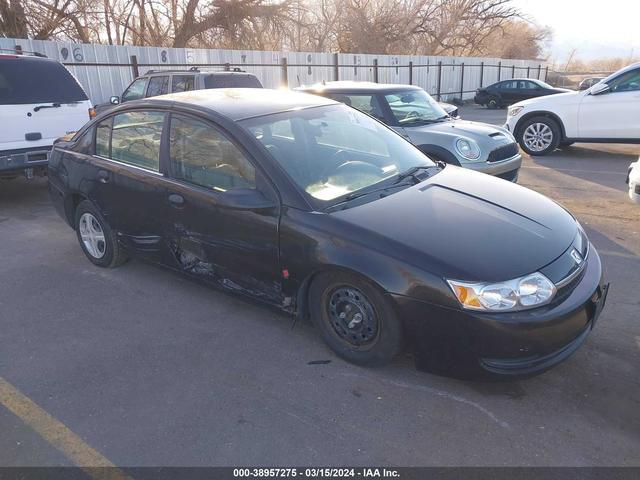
x,y
92,112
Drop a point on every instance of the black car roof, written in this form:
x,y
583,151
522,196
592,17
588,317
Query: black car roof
x,y
355,87
241,103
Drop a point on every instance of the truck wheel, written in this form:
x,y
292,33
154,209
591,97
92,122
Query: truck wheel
x,y
355,319
97,240
539,136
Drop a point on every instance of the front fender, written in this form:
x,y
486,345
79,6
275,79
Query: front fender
x,y
312,242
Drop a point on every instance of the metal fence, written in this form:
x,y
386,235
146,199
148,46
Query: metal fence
x,y
105,70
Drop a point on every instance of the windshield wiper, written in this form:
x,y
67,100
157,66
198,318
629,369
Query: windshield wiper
x,y
364,193
411,173
40,107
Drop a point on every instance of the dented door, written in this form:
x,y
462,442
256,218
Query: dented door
x,y
213,234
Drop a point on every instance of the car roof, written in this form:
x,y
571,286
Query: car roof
x,y
151,73
355,87
242,103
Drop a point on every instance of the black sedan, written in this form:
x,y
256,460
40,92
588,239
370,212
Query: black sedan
x,y
315,208
506,92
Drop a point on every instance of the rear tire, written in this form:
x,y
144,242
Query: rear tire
x,y
355,319
97,240
539,136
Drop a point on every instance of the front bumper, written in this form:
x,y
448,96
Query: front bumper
x,y
17,160
467,344
507,169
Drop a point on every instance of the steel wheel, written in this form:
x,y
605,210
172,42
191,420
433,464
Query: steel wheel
x,y
92,235
352,316
538,137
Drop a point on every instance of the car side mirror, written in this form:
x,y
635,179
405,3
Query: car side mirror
x,y
115,100
599,89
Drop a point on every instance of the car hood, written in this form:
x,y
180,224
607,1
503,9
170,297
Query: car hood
x,y
568,98
466,225
463,128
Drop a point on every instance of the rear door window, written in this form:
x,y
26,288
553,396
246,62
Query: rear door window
x,y
182,83
158,86
103,138
36,80
135,138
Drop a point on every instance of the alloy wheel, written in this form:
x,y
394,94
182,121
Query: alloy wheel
x,y
538,137
92,235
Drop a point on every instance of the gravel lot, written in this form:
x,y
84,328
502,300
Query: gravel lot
x,y
151,369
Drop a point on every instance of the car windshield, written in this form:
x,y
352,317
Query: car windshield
x,y
414,106
333,151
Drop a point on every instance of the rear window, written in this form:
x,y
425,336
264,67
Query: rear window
x,y
231,81
26,80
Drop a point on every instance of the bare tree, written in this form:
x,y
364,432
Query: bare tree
x,y
434,27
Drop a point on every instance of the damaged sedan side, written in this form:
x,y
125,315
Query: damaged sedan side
x,y
321,211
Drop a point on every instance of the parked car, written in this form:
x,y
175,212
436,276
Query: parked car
x,y
317,209
39,102
411,111
607,112
161,82
589,82
506,92
633,180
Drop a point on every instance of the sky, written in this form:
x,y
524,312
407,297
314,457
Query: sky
x,y
596,28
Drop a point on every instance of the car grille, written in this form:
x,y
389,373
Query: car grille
x,y
502,153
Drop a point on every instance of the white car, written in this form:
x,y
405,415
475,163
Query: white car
x,y
608,112
40,101
633,179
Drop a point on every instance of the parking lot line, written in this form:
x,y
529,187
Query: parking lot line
x,y
57,434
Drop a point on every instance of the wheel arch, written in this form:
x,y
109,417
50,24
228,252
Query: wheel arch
x,y
540,113
71,202
440,153
302,294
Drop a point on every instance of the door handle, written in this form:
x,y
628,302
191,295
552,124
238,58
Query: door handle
x,y
103,176
176,201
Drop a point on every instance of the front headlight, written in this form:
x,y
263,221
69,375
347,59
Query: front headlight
x,y
467,148
518,294
514,110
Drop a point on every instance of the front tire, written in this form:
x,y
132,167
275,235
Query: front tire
x,y
355,319
493,103
97,240
539,136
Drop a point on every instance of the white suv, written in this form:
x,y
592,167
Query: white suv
x,y
40,101
608,112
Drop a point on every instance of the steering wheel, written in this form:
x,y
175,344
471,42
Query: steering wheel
x,y
412,114
346,164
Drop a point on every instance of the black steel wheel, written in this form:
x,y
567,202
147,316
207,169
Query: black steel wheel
x,y
356,320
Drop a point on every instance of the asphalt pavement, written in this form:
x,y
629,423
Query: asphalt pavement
x,y
150,369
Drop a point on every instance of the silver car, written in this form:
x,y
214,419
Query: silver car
x,y
413,113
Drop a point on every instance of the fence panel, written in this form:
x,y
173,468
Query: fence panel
x,y
106,70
